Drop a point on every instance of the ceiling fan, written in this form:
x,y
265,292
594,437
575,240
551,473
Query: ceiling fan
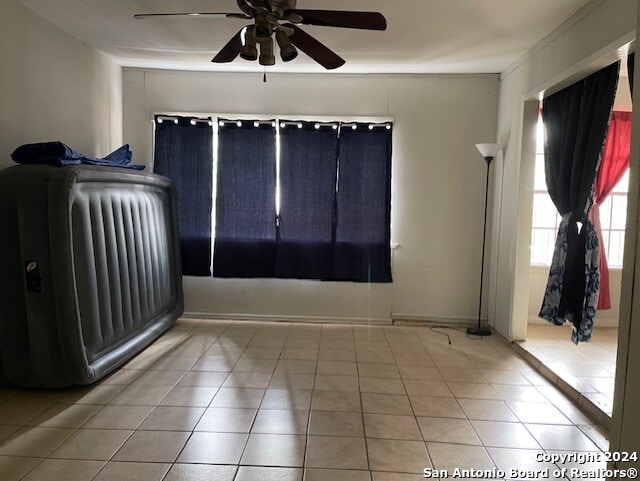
x,y
280,17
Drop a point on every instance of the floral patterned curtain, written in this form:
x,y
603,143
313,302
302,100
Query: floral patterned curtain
x,y
576,121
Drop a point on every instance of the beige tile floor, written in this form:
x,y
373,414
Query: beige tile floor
x,y
589,368
290,402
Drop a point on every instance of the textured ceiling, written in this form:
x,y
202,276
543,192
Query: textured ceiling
x,y
433,36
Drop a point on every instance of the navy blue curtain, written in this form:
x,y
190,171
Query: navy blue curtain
x,y
363,229
245,241
184,153
307,200
576,121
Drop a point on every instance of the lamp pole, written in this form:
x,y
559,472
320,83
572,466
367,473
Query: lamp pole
x,y
488,151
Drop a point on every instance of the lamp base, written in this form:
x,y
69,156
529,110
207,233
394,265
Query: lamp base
x,y
479,331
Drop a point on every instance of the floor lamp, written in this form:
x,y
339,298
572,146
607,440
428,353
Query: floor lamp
x,y
488,152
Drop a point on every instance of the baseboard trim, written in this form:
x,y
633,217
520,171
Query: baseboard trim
x,y
286,318
400,318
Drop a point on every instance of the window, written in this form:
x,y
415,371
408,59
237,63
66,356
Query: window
x,y
293,199
613,218
545,222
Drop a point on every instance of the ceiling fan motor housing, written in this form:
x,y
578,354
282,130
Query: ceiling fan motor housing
x,y
263,28
282,5
253,7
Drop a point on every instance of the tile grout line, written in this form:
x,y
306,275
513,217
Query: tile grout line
x,y
415,417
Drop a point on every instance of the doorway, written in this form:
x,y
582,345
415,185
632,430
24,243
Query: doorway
x,y
586,372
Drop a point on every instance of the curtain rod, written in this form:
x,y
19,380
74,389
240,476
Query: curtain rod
x,y
256,123
291,124
335,125
370,119
201,121
162,118
166,118
318,125
283,124
354,125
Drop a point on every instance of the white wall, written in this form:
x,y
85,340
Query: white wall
x,y
437,193
54,87
584,43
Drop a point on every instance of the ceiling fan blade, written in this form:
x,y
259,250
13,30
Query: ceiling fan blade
x,y
339,18
314,49
231,50
147,16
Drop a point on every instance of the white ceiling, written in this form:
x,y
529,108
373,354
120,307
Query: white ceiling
x,y
431,36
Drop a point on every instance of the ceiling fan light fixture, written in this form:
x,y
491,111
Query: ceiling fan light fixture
x,y
249,50
266,53
287,51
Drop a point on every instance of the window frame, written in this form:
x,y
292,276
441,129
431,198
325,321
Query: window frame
x,y
621,190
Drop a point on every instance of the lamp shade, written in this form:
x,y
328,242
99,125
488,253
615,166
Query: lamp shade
x,y
488,150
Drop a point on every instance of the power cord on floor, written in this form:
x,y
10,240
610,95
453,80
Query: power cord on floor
x,y
433,329
473,338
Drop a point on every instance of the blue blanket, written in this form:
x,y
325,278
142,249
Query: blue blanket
x,y
59,154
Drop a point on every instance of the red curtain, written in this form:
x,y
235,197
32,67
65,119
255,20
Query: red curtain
x,y
614,164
